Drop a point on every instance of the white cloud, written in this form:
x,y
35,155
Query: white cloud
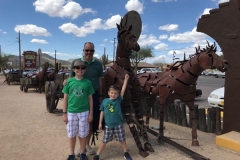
x,y
161,58
32,29
90,26
134,5
163,1
145,40
222,1
161,46
105,40
39,41
169,27
61,8
3,32
163,36
186,37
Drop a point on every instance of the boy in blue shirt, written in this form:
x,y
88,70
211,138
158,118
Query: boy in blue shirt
x,y
111,111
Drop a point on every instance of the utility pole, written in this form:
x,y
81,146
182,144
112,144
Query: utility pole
x,y
113,48
55,59
19,46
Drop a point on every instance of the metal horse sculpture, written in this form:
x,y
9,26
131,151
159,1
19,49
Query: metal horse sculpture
x,y
180,83
41,78
115,76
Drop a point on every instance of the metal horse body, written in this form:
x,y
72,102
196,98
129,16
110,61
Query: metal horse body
x,y
41,78
115,76
180,83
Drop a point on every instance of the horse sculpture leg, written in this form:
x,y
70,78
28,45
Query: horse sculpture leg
x,y
150,104
126,108
194,124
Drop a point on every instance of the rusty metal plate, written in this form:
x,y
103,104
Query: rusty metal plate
x,y
133,18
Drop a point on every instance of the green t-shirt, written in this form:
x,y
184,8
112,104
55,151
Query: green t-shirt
x,y
94,71
112,111
78,92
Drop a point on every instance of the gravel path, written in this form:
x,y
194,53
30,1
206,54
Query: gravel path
x,y
29,132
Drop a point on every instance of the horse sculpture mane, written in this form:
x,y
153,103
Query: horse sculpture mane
x,y
115,76
180,83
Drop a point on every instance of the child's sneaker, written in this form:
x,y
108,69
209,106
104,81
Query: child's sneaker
x,y
83,157
96,158
127,156
71,157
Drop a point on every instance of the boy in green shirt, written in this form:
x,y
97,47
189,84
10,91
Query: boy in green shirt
x,y
111,111
78,108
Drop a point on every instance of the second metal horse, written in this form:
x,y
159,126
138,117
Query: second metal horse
x,y
180,83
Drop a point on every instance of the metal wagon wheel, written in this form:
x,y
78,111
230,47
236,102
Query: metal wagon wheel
x,y
25,88
22,80
51,97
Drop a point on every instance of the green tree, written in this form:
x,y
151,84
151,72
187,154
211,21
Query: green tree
x,y
159,64
104,60
139,56
3,60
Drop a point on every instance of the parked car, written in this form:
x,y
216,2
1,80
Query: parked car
x,y
207,73
218,74
144,70
26,72
216,98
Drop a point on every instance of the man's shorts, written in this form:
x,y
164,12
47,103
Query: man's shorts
x,y
78,124
117,131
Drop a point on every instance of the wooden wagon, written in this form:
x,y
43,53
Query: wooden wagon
x,y
26,83
53,92
13,77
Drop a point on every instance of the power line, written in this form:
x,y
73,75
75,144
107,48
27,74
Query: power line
x,y
113,49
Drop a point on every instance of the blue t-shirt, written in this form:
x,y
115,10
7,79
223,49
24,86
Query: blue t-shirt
x,y
112,111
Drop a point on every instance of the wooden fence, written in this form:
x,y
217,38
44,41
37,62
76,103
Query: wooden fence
x,y
208,120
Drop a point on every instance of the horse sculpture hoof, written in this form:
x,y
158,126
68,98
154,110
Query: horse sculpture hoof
x,y
148,147
195,143
143,153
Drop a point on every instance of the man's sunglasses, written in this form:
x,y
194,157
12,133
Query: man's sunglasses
x,y
89,50
78,67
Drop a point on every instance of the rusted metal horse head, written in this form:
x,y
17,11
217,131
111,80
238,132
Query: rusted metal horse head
x,y
180,83
127,43
41,78
115,76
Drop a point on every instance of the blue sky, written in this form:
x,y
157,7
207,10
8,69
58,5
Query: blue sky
x,y
65,25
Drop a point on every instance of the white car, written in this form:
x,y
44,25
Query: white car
x,y
218,73
216,98
144,70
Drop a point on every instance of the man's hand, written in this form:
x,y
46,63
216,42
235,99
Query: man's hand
x,y
64,82
100,126
90,118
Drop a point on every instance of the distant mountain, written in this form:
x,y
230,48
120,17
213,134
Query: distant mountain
x,y
45,58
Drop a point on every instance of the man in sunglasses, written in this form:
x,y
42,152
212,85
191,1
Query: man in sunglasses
x,y
94,73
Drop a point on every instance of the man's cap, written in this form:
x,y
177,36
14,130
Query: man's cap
x,y
79,63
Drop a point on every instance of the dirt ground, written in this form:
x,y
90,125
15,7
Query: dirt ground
x,y
29,132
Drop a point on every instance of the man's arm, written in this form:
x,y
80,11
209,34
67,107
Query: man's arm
x,y
124,85
90,108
